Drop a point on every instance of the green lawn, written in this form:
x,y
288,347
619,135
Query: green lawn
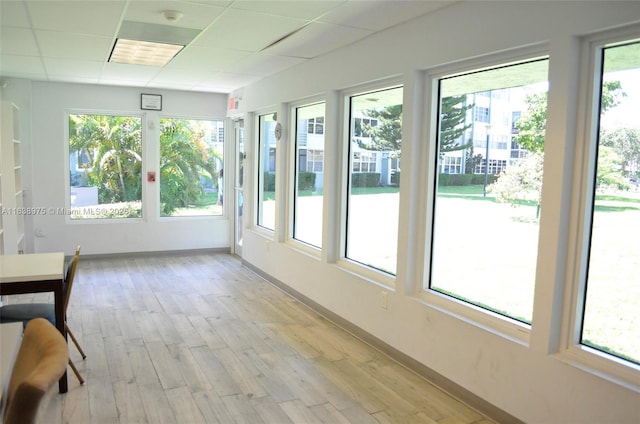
x,y
207,204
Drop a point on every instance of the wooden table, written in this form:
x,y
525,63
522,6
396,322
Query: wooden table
x,y
10,339
36,273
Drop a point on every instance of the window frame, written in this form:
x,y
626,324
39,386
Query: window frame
x,y
259,193
292,172
144,211
160,117
371,274
571,350
509,328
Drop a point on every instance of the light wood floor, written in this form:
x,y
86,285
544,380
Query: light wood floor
x,y
199,338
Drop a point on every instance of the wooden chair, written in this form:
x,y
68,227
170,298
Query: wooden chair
x,y
40,363
25,312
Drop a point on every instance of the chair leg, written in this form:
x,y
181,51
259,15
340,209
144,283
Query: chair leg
x,y
73,338
76,372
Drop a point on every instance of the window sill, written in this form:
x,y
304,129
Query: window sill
x,y
603,365
500,325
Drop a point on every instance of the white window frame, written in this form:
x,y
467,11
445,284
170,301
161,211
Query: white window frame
x,y
220,140
504,326
259,175
570,350
67,167
370,274
292,169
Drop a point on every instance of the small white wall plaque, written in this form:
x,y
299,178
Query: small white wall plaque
x,y
150,102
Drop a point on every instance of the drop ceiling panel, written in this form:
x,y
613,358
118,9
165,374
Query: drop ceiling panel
x,y
18,41
378,15
30,66
226,82
77,69
216,59
85,17
182,76
244,30
317,39
308,10
265,64
195,16
131,73
74,46
13,13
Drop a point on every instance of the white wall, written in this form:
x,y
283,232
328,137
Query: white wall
x,y
47,183
530,380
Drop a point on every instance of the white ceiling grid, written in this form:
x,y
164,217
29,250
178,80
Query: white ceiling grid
x,y
70,41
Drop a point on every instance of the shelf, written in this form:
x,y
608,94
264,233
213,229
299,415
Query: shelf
x,y
12,225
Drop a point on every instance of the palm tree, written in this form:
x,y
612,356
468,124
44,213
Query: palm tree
x,y
112,149
185,157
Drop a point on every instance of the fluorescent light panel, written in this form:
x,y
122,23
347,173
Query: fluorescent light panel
x,y
146,53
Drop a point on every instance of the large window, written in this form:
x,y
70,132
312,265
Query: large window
x,y
105,166
191,172
373,197
266,171
611,319
307,208
485,220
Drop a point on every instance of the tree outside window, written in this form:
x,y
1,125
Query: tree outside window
x,y
105,158
191,171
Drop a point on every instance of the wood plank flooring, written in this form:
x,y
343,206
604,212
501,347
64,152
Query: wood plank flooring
x,y
198,338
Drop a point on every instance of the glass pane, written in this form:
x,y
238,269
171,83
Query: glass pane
x,y
239,180
611,318
307,212
485,229
105,166
308,193
267,172
191,174
372,220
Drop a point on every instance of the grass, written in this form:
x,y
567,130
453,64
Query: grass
x,y
207,204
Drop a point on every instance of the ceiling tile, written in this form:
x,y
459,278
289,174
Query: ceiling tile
x,y
120,71
263,64
13,14
195,16
74,46
84,69
244,30
85,17
317,39
211,58
378,15
21,66
182,76
19,41
295,9
226,82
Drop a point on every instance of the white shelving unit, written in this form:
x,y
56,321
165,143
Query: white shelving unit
x,y
11,194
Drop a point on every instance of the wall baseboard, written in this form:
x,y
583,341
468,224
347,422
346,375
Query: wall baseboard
x,y
442,382
184,252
